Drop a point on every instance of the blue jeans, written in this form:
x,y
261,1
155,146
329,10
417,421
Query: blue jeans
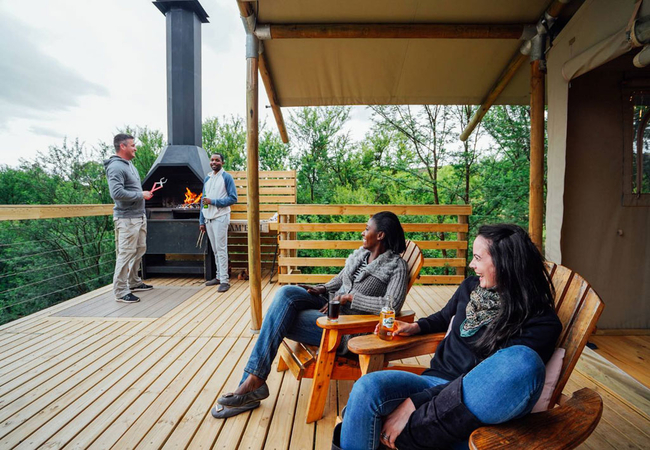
x,y
292,314
504,386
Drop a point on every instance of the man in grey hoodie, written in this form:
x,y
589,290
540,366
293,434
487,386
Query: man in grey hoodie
x,y
129,218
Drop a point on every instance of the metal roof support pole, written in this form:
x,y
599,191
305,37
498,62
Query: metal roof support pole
x,y
253,181
537,100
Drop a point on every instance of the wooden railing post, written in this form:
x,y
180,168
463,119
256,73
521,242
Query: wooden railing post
x,y
253,193
462,253
536,205
282,236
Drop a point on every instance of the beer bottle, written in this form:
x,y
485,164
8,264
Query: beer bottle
x,y
387,319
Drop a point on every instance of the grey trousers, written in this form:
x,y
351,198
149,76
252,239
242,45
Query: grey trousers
x,y
131,243
217,230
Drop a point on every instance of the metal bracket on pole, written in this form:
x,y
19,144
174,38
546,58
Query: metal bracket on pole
x,y
249,23
252,42
538,42
263,31
252,46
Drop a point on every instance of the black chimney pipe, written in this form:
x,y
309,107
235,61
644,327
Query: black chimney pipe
x,y
184,19
184,135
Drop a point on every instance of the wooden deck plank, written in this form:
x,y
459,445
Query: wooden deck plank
x,y
60,350
614,410
38,413
125,371
115,414
207,364
224,307
199,411
105,409
141,433
630,353
41,343
26,321
179,317
59,377
302,435
325,426
8,339
221,306
279,434
226,433
243,325
601,371
209,429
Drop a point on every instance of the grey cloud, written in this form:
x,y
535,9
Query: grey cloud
x,y
35,84
43,131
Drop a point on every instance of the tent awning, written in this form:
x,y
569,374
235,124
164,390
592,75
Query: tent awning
x,y
311,72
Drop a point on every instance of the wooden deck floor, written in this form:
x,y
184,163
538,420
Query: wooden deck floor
x,y
149,382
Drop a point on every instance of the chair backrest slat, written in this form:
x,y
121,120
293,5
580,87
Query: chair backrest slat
x,y
414,261
578,307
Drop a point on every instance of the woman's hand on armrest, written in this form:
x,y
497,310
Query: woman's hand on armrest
x,y
403,328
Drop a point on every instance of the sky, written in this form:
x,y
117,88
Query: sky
x,y
86,69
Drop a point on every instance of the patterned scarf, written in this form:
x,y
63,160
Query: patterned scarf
x,y
482,308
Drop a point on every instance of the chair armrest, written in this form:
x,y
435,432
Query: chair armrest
x,y
351,323
565,426
372,345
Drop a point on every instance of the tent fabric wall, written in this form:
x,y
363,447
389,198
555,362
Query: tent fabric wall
x,y
583,210
606,242
594,36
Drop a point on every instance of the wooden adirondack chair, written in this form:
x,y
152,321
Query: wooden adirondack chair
x,y
563,427
321,363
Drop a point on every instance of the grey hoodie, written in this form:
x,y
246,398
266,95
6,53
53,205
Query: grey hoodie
x,y
125,188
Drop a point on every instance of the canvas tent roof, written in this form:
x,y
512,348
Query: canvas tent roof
x,y
312,72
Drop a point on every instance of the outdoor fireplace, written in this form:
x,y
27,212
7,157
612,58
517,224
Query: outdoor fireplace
x,y
173,245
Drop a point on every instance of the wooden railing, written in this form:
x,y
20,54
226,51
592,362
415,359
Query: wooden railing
x,y
28,212
276,187
289,230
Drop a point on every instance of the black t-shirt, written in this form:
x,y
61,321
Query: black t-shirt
x,y
455,357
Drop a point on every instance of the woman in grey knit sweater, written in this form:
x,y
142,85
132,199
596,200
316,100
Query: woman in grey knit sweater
x,y
371,273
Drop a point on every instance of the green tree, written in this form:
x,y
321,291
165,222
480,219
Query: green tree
x,y
274,154
316,132
227,137
46,261
502,181
422,134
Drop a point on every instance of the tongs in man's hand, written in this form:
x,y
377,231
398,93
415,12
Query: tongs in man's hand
x,y
158,185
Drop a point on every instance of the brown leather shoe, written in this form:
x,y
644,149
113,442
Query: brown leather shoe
x,y
212,282
223,287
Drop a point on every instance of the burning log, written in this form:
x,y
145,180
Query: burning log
x,y
192,200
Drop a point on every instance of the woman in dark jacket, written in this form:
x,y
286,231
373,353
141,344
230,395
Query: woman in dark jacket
x,y
371,273
488,370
